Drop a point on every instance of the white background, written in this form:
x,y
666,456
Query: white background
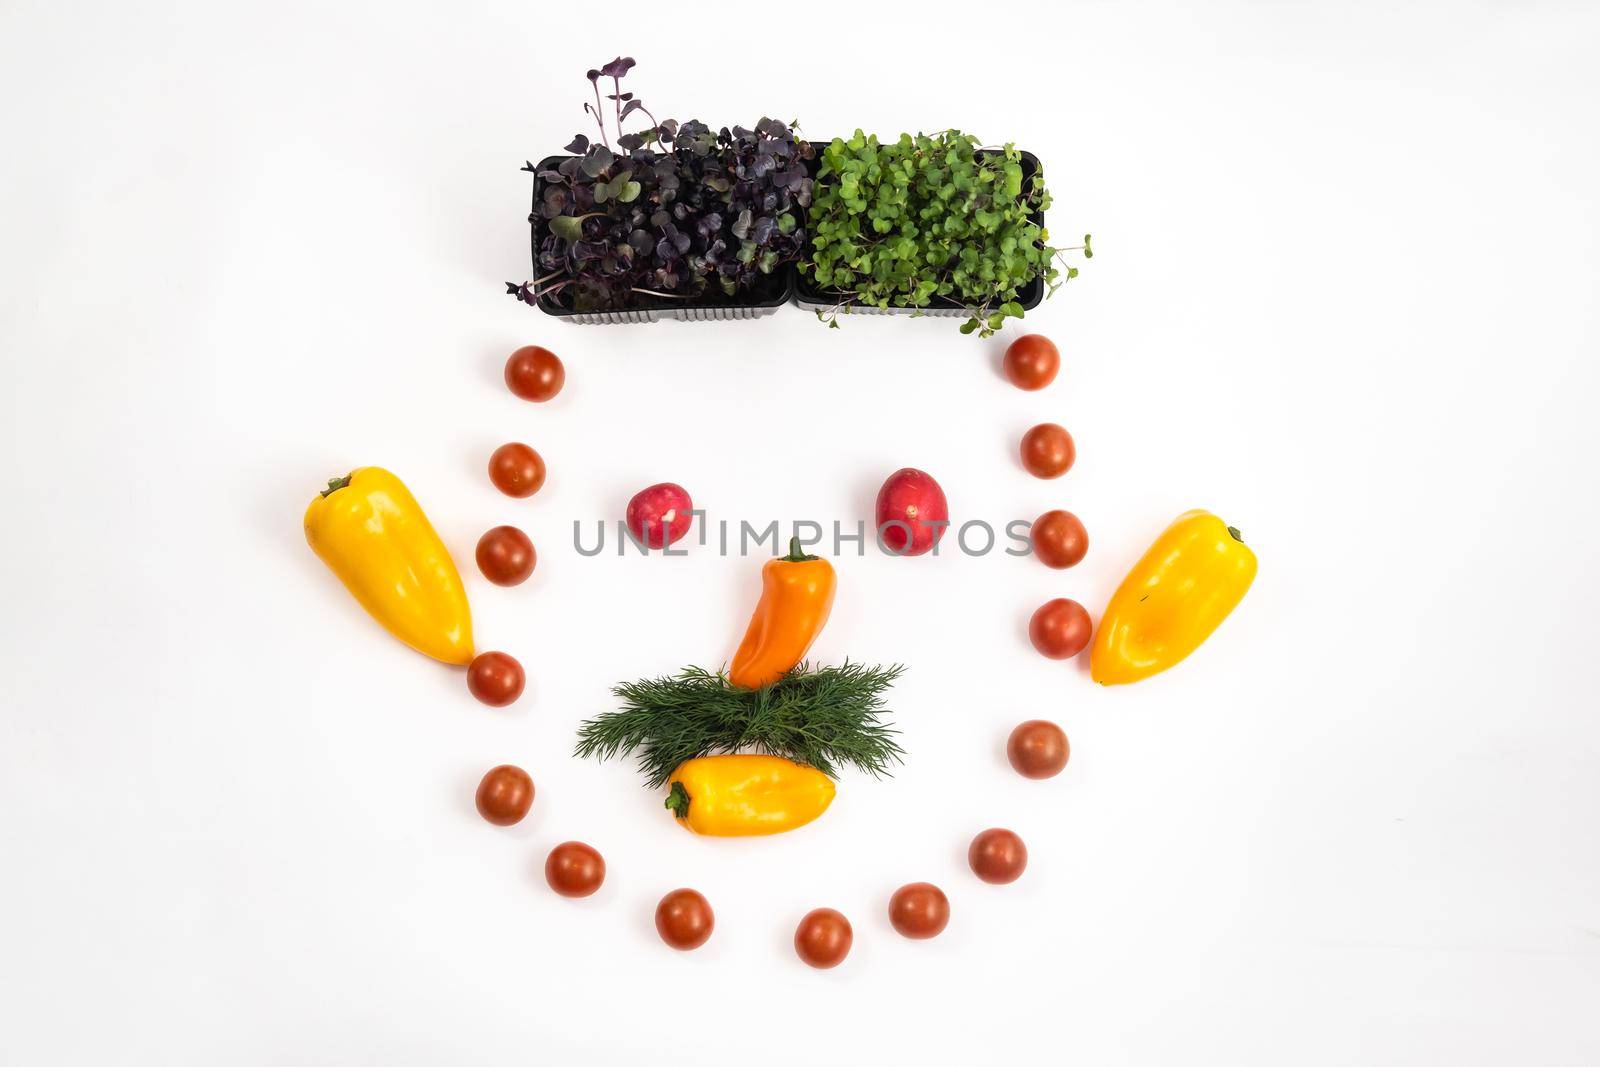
x,y
1344,296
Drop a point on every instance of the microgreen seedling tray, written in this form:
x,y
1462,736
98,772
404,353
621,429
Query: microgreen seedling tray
x,y
777,291
812,298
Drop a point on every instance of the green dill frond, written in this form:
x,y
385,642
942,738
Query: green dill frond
x,y
825,718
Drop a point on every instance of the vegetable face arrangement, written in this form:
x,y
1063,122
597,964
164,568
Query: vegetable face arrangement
x,y
755,751
667,211
676,212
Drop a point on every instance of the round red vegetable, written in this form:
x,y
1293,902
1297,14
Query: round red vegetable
x,y
573,869
919,910
534,373
823,938
1059,539
1031,362
495,678
505,795
912,513
684,919
997,856
1048,451
506,556
660,515
1038,749
1060,629
516,470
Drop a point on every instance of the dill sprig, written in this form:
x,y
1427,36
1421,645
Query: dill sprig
x,y
823,718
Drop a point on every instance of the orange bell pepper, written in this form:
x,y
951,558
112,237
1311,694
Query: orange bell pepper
x,y
796,597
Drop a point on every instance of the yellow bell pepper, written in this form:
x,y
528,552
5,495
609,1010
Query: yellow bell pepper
x,y
741,796
371,532
1175,596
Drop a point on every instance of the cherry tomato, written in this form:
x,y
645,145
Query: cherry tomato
x,y
1059,539
506,556
505,795
684,919
998,856
573,869
495,678
919,910
1038,749
823,938
516,470
660,515
1032,361
1048,451
1060,629
534,373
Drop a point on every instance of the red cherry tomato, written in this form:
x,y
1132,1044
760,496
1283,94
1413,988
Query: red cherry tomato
x,y
506,556
684,919
1038,749
1060,629
660,515
1048,451
1031,362
516,470
495,678
573,869
1059,539
919,910
534,373
997,856
505,795
823,938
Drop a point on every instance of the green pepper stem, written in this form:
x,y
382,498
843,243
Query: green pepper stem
x,y
335,484
1233,531
678,801
796,553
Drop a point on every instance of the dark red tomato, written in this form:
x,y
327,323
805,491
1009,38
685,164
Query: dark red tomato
x,y
1032,361
823,938
1048,451
534,373
506,556
1060,629
1059,539
516,470
912,512
1038,749
684,919
660,515
505,795
495,678
997,856
919,910
573,869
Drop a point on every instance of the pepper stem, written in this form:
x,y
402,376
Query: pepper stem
x,y
335,484
1233,531
796,553
678,801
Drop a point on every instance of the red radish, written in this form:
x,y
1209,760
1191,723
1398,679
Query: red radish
x,y
659,516
912,513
